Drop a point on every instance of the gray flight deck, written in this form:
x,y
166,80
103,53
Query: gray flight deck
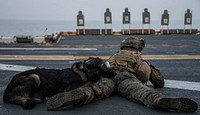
x,y
177,56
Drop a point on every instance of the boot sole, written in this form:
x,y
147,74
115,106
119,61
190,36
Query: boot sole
x,y
63,99
181,104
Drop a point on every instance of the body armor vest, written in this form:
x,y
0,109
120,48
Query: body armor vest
x,y
125,60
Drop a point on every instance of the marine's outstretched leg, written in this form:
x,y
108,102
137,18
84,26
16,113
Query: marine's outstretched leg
x,y
131,88
82,95
70,98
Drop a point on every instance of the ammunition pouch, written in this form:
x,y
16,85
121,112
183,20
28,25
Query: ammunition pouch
x,y
143,72
156,78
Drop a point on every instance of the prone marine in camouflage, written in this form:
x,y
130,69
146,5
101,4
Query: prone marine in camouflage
x,y
132,72
128,58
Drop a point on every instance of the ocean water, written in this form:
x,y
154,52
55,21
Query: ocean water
x,y
47,27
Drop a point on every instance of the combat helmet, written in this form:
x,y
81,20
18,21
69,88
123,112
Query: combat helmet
x,y
133,42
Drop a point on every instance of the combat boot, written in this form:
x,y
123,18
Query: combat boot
x,y
177,104
65,99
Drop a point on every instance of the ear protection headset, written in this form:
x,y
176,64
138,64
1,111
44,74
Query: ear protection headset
x,y
91,64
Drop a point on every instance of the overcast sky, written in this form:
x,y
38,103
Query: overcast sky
x,y
94,9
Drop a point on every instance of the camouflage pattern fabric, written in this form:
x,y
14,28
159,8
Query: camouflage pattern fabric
x,y
125,60
131,61
133,89
133,42
104,88
125,82
156,78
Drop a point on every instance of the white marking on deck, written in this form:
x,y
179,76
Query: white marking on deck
x,y
15,67
187,85
36,57
47,49
177,84
183,85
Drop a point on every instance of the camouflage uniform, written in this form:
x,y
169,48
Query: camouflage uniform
x,y
132,74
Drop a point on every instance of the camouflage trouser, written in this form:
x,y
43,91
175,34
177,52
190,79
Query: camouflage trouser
x,y
127,85
132,88
105,88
